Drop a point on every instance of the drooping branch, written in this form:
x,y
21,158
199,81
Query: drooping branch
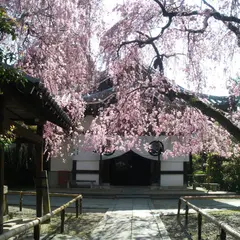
x,y
203,107
196,103
207,110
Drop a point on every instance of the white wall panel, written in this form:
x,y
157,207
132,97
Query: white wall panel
x,y
171,180
87,177
58,164
87,165
171,166
86,156
81,154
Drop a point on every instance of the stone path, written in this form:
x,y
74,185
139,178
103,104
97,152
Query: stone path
x,y
130,219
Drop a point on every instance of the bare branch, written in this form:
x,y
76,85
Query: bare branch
x,y
158,61
209,5
225,18
140,43
172,55
235,30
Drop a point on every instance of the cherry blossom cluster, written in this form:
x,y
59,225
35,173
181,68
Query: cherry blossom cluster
x,y
154,47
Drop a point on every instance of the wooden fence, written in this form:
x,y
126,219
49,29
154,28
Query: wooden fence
x,y
38,221
27,193
225,229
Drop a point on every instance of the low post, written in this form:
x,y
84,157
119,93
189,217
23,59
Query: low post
x,y
199,226
186,215
62,220
179,208
2,111
45,193
76,204
223,235
39,169
36,232
20,201
80,205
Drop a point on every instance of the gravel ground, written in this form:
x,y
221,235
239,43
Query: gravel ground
x,y
209,230
80,227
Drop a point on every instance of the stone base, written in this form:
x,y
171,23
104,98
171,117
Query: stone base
x,y
173,187
154,186
5,205
5,189
105,186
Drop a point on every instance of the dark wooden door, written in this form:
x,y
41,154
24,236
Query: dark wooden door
x,y
130,169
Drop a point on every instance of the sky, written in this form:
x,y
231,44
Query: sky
x,y
216,85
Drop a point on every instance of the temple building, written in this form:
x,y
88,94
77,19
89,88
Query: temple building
x,y
139,166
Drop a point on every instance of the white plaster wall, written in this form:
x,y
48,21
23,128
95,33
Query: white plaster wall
x,y
63,162
57,164
87,165
86,156
171,166
169,180
142,151
117,153
178,159
88,177
81,154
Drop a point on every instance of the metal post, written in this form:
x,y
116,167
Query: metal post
x,y
62,220
199,226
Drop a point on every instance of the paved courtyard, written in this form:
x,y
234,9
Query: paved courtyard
x,y
130,219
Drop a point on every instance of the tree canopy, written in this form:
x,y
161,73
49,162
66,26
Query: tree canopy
x,y
154,47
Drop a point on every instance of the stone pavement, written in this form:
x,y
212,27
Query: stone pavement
x,y
130,219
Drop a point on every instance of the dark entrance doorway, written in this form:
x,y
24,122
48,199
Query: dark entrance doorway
x,y
130,169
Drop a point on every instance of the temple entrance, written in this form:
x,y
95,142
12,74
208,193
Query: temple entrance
x,y
130,169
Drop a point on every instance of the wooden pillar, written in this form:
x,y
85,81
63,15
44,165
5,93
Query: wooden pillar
x,y
159,170
185,173
100,170
73,176
106,171
39,190
190,170
46,196
1,163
